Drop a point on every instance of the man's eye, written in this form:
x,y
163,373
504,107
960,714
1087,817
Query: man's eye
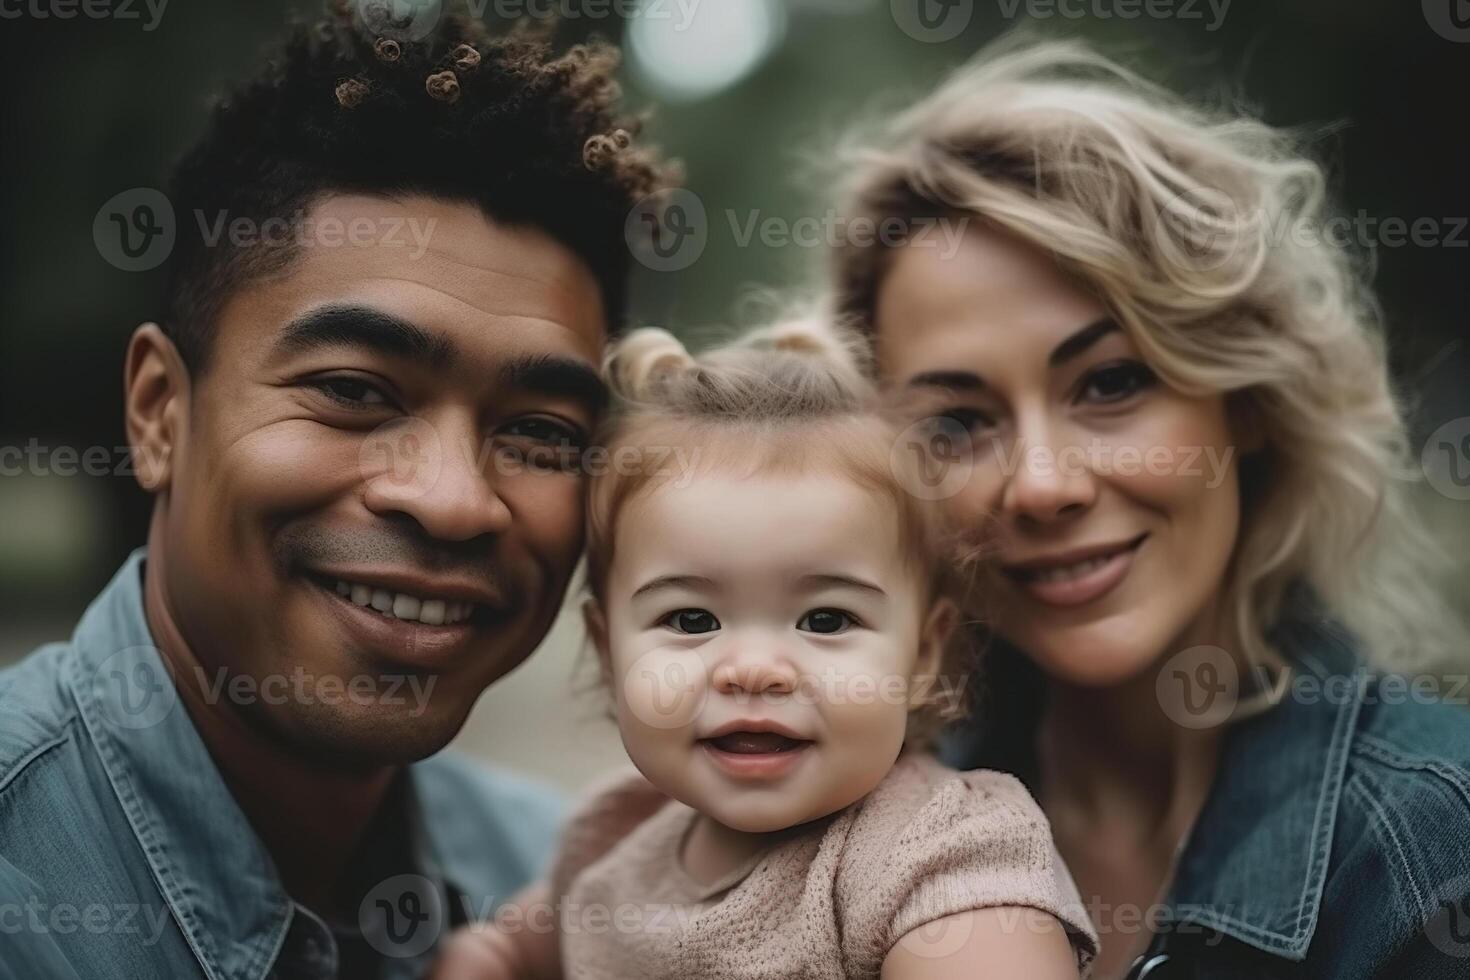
x,y
691,621
1117,381
827,621
352,392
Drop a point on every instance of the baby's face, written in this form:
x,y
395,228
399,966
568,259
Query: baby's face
x,y
763,637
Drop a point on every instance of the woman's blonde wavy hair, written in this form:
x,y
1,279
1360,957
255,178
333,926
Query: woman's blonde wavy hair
x,y
1200,231
793,397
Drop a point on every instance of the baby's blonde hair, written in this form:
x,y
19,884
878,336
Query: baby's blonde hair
x,y
794,397
1201,232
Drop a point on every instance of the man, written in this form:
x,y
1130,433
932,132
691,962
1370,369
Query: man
x,y
399,255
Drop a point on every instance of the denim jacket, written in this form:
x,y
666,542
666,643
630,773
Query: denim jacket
x,y
1335,843
123,853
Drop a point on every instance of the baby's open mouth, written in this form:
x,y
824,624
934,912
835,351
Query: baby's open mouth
x,y
755,743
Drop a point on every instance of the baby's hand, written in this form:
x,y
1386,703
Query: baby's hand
x,y
479,953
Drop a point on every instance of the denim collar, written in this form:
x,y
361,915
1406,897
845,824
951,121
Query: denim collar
x,y
216,876
1256,861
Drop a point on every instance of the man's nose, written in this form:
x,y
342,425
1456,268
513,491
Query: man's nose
x,y
433,474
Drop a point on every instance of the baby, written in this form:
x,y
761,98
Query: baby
x,y
774,624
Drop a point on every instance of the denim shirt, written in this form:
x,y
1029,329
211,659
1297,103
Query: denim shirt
x,y
123,853
1335,842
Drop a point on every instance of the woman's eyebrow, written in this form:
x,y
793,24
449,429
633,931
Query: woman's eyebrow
x,y
1072,347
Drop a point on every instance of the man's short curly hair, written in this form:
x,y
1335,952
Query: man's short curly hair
x,y
533,137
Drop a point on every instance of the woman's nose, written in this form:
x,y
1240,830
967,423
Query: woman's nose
x,y
1051,480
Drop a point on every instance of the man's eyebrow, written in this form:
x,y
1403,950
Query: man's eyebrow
x,y
842,581
558,376
367,328
673,582
1065,351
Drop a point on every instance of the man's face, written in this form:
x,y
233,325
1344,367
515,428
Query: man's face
x,y
352,519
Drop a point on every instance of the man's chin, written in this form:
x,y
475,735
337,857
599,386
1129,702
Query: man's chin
x,y
357,738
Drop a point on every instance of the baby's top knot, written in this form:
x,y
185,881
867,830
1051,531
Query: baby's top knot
x,y
351,92
443,85
465,57
387,50
644,357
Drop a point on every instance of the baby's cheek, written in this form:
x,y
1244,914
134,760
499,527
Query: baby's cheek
x,y
661,690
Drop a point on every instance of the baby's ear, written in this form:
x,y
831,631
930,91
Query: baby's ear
x,y
935,637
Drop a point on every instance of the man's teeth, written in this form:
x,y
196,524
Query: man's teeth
x,y
1068,572
401,605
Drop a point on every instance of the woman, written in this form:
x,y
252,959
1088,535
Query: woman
x,y
1161,404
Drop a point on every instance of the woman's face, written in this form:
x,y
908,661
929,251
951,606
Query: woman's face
x,y
1110,500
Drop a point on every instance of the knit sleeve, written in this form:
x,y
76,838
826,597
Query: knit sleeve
x,y
951,842
608,812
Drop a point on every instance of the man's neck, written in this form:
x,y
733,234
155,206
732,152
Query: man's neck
x,y
311,817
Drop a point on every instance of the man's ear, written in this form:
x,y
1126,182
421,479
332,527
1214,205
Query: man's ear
x,y
155,405
596,623
934,640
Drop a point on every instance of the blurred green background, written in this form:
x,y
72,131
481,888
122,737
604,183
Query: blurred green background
x,y
746,92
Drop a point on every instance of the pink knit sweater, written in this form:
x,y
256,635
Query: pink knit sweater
x,y
928,842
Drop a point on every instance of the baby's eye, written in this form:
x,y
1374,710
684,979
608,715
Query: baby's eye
x,y
827,621
691,621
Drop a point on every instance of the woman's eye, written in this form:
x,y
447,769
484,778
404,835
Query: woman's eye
x,y
691,621
1117,382
352,392
826,621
